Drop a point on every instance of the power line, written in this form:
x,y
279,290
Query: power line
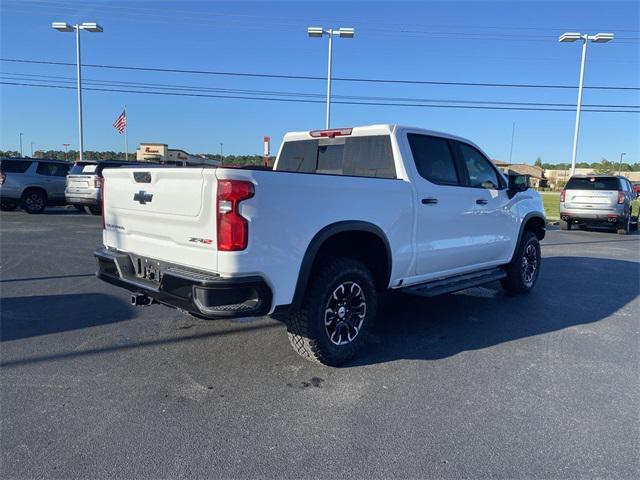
x,y
306,77
294,100
192,88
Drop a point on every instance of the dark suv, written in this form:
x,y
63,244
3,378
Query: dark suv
x,y
31,183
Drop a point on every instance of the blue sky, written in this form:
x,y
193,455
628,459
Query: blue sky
x,y
478,41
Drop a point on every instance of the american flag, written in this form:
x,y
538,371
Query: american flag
x,y
121,122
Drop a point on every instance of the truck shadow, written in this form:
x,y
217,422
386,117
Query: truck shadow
x,y
570,291
23,317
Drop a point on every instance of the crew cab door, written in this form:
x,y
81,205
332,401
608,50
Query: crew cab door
x,y
443,238
494,225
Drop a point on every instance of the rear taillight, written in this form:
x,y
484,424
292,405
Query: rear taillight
x,y
102,203
620,196
2,178
97,182
562,196
233,228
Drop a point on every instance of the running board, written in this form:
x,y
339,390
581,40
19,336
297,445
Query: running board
x,y
455,284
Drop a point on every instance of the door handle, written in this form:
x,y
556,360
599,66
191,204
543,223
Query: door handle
x,y
429,201
482,201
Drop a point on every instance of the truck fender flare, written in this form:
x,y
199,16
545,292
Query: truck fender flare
x,y
320,238
523,224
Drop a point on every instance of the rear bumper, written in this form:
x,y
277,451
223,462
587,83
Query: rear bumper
x,y
202,293
611,215
92,198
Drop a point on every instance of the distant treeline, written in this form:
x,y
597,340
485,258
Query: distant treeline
x,y
72,155
604,166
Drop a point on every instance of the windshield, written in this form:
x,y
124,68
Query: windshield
x,y
593,183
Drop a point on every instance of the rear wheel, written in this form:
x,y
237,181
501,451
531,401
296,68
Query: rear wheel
x,y
337,313
93,209
625,228
565,225
523,271
78,207
34,201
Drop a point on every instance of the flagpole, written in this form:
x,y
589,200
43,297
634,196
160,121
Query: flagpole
x,y
126,141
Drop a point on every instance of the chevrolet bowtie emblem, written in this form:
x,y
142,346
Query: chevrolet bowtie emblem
x,y
142,197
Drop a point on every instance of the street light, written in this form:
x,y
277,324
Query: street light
x,y
317,32
90,27
32,143
21,134
620,164
573,37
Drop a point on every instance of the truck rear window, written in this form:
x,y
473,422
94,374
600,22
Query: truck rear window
x,y
14,166
369,156
593,183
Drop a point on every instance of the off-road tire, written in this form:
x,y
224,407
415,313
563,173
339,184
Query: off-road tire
x,y
306,326
564,225
34,201
515,281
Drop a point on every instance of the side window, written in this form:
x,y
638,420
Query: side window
x,y
369,156
481,172
433,159
52,169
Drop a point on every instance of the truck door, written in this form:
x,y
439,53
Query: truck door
x,y
494,225
444,241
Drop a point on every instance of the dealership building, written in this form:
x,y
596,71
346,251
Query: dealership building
x,y
161,153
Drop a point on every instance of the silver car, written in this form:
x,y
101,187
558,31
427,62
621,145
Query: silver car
x,y
84,184
31,183
597,199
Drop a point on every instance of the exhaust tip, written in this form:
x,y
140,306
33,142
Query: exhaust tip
x,y
140,300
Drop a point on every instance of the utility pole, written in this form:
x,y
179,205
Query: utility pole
x,y
513,132
21,134
221,156
620,163
32,149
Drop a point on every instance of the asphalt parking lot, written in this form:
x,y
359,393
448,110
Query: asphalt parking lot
x,y
474,385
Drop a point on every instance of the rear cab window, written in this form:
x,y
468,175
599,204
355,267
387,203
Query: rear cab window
x,y
14,166
359,156
593,183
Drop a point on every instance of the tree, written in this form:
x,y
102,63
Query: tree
x,y
538,162
605,166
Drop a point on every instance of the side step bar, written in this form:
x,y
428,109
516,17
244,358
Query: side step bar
x,y
455,284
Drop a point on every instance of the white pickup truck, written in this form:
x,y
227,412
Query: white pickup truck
x,y
344,214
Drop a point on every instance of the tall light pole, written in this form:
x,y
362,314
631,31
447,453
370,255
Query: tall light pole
x,y
66,147
32,143
316,32
620,163
572,37
21,134
90,27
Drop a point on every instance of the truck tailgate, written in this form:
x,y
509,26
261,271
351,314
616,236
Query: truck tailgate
x,y
160,213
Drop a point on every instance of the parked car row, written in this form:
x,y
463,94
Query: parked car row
x,y
34,184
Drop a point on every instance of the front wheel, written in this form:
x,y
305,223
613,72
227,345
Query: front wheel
x,y
337,313
524,269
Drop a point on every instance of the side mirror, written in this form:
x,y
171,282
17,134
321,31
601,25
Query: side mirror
x,y
518,183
